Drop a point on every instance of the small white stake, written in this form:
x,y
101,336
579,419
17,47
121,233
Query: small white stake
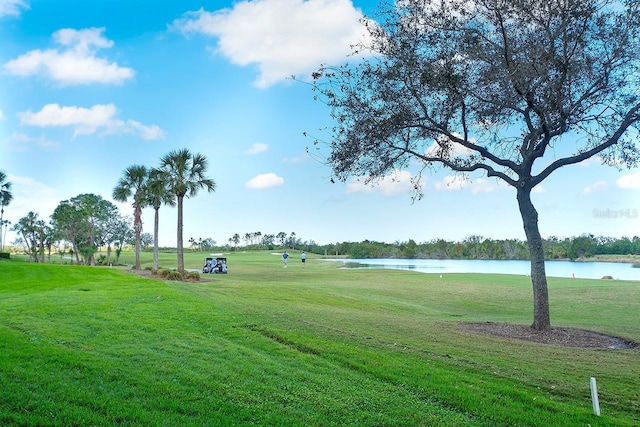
x,y
594,397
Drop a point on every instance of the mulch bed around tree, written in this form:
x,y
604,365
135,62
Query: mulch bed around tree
x,y
564,337
149,274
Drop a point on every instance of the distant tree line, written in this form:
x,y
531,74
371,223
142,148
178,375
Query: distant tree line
x,y
257,240
478,247
473,247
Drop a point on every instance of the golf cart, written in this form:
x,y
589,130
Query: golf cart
x,y
215,265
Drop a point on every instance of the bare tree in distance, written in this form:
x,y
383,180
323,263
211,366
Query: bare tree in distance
x,y
513,89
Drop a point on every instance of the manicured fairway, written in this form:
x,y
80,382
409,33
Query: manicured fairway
x,y
313,346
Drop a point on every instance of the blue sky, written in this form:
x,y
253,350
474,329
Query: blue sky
x,y
90,87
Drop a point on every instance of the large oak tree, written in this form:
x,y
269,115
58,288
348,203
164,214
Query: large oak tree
x,y
82,221
513,88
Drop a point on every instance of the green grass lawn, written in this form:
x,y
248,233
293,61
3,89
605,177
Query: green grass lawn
x,y
313,346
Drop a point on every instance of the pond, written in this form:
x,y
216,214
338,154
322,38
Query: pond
x,y
584,270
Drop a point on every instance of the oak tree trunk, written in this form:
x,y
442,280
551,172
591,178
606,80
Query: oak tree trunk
x,y
541,319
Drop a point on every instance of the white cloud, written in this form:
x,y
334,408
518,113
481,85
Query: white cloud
x,y
595,187
296,159
460,182
145,132
457,150
591,161
87,121
630,181
539,189
12,7
395,184
258,147
75,64
283,37
452,183
264,181
23,142
2,117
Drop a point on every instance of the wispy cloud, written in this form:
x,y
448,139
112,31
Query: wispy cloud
x,y
460,182
629,182
258,147
395,184
30,194
87,121
12,7
2,117
595,187
539,189
297,159
23,142
75,63
283,37
264,181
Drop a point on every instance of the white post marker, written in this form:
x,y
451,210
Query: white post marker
x,y
594,397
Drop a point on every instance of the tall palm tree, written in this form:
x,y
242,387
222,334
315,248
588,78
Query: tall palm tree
x,y
235,239
133,184
5,199
185,176
158,194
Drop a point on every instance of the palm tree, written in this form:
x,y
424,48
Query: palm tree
x,y
158,194
5,199
185,176
133,184
235,239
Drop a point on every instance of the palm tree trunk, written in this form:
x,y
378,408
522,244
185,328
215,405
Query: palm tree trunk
x,y
156,222
1,225
138,229
180,223
541,318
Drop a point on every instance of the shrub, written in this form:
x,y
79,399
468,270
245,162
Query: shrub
x,y
4,255
607,277
165,272
174,275
193,275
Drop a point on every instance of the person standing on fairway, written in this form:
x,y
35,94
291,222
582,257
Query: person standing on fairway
x,y
285,255
303,257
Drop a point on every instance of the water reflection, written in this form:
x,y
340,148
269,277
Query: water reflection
x,y
585,270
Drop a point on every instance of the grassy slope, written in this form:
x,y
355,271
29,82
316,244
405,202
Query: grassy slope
x,y
313,346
